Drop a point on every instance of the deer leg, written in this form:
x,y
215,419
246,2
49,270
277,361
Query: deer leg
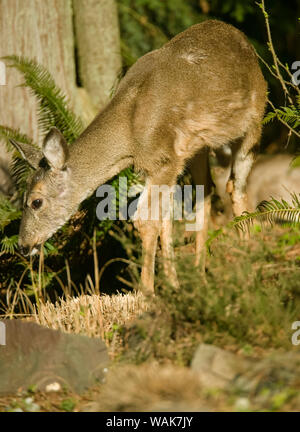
x,y
157,225
242,165
149,231
168,252
221,171
199,168
149,235
201,236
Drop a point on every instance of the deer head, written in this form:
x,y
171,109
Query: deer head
x,y
47,201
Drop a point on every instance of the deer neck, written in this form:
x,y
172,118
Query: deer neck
x,y
101,152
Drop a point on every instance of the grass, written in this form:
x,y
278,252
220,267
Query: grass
x,y
245,302
93,315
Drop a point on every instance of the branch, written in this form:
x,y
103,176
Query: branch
x,y
272,50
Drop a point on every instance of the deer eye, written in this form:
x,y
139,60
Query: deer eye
x,y
36,204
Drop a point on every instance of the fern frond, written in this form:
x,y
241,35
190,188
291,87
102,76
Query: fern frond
x,y
9,244
267,212
269,117
7,133
20,169
270,212
53,104
289,114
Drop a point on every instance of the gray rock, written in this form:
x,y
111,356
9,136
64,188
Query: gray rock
x,y
259,379
216,368
275,372
41,357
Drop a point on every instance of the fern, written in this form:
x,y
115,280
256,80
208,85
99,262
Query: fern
x,y
19,167
271,212
289,114
8,133
53,104
9,244
267,212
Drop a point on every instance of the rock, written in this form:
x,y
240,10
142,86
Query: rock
x,y
273,373
42,357
216,368
267,382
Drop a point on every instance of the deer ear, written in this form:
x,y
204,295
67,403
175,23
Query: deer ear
x,y
28,152
55,149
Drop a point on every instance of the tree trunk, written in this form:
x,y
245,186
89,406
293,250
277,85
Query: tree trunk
x,y
40,30
44,31
98,47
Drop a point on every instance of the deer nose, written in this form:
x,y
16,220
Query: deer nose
x,y
24,250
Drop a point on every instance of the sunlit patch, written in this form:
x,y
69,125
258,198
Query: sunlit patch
x,y
34,251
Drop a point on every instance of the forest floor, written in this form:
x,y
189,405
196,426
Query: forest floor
x,y
245,304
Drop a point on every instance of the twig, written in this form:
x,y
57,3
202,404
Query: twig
x,y
274,74
272,50
290,75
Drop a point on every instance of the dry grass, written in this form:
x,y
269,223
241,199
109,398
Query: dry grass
x,y
150,387
93,315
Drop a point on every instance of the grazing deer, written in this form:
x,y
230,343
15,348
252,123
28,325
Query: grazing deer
x,y
201,91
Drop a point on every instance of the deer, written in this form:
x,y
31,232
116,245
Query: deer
x,y
201,92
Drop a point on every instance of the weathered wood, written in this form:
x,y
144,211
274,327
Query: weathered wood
x,y
42,30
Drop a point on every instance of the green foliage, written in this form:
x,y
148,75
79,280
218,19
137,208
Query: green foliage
x,y
267,213
289,114
236,9
9,244
272,211
20,169
296,162
148,24
68,405
249,296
